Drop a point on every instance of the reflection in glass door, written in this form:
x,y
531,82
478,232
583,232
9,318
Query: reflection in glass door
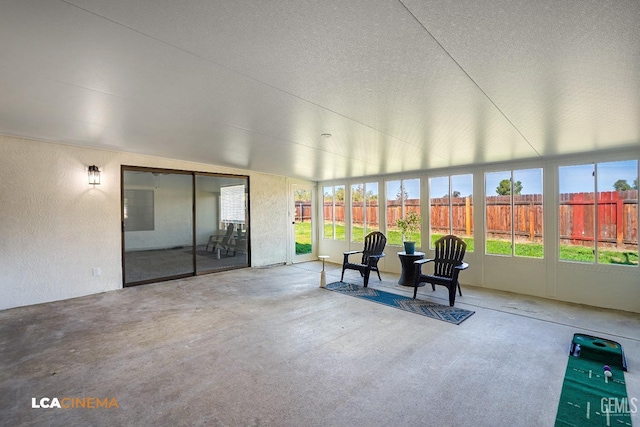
x,y
303,223
157,225
222,227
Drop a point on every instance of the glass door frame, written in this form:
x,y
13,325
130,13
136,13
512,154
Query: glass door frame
x,y
193,174
294,258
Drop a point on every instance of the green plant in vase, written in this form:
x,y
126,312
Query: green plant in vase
x,y
409,225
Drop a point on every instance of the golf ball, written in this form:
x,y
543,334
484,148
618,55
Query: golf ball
x,y
608,374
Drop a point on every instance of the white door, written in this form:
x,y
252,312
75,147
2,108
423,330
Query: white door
x,y
303,223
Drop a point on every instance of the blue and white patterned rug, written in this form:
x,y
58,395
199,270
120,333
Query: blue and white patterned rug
x,y
453,315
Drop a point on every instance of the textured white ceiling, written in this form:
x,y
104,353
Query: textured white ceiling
x,y
401,85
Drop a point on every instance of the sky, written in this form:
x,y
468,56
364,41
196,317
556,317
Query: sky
x,y
411,187
439,186
572,179
579,179
531,180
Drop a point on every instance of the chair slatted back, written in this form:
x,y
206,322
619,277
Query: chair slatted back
x,y
449,254
227,236
374,244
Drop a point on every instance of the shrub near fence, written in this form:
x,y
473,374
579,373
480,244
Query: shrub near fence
x,y
394,210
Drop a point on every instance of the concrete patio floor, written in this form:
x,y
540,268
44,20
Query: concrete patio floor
x,y
268,347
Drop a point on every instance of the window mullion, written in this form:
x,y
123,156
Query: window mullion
x,y
450,207
402,211
364,209
596,225
511,193
333,209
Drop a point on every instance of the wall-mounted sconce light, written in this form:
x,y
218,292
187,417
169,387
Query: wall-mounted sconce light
x,y
94,175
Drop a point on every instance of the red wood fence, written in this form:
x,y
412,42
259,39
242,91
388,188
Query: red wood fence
x,y
527,217
394,211
461,215
617,216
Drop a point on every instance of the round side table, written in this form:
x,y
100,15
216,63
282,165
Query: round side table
x,y
406,278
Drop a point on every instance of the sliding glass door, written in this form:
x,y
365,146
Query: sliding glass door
x,y
222,226
180,223
158,225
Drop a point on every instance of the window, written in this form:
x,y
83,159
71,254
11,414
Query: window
x,y
513,216
403,196
333,212
451,208
364,210
138,210
232,206
600,200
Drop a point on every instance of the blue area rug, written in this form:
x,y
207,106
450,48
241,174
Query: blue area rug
x,y
453,315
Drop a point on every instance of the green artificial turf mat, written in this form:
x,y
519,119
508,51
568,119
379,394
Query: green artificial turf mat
x,y
588,397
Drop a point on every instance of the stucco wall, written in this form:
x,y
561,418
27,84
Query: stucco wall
x,y
55,228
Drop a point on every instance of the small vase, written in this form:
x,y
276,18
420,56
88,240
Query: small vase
x,y
409,247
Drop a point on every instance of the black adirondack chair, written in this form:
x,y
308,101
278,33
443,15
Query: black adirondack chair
x,y
374,244
447,264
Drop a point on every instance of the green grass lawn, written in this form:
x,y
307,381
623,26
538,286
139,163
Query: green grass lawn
x,y
617,257
340,231
303,238
567,252
394,237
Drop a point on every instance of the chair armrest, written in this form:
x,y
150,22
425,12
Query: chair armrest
x,y
376,256
353,252
462,266
347,254
417,265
